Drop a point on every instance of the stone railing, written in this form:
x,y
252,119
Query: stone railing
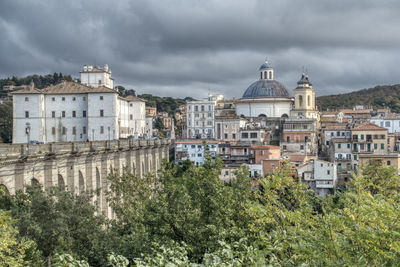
x,y
20,151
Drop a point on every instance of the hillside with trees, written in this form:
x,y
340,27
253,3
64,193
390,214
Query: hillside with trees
x,y
377,97
186,216
165,104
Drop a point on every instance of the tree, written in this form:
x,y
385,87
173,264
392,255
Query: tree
x,y
6,114
13,252
60,221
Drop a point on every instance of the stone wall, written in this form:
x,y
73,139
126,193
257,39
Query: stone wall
x,y
79,166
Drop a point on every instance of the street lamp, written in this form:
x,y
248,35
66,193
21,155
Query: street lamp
x,y
28,134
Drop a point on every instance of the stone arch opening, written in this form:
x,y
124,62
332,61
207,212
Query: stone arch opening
x,y
3,188
61,183
262,115
300,101
81,183
285,116
34,182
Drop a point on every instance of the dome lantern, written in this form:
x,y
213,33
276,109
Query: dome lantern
x,y
266,71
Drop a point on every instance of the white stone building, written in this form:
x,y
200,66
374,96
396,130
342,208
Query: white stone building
x,y
265,97
70,111
320,175
201,117
96,77
390,121
194,150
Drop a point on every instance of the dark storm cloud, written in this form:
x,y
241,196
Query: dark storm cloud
x,y
191,47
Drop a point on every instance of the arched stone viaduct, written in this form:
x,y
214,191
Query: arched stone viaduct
x,y
78,166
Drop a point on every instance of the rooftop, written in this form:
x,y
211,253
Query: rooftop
x,y
66,88
368,127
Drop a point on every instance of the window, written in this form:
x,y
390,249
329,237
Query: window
x,y
64,131
209,107
131,117
381,123
131,105
196,108
226,173
63,98
337,133
74,130
53,99
74,114
84,113
26,99
196,115
26,114
328,172
73,98
101,113
101,97
53,130
209,122
99,81
339,145
63,114
84,130
375,146
332,133
270,75
84,98
193,146
308,101
301,147
362,137
300,101
387,123
382,146
202,108
245,135
253,135
101,129
233,136
226,136
355,157
209,115
198,146
53,114
348,145
199,155
388,163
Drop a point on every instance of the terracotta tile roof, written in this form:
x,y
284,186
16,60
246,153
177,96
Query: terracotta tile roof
x,y
265,147
297,158
196,142
356,111
368,127
66,88
132,98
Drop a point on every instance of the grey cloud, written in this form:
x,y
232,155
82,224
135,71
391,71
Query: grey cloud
x,y
181,48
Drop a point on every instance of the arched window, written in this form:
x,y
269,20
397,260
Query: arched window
x,y
265,75
260,75
300,101
270,75
4,189
81,183
308,101
61,183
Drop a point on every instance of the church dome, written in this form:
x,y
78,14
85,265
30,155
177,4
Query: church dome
x,y
266,88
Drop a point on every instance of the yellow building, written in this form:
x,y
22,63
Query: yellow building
x,y
304,103
392,159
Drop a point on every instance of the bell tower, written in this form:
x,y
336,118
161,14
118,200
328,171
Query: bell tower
x,y
304,99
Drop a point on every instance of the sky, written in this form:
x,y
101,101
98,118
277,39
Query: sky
x,y
185,48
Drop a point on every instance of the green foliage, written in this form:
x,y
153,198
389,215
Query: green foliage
x,y
378,97
13,252
39,80
185,216
164,104
6,122
60,221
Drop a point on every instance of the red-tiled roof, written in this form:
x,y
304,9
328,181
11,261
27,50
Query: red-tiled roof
x,y
66,88
265,147
369,127
356,111
297,158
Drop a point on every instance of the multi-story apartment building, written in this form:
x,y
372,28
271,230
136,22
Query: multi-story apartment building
x,y
195,151
200,117
368,138
299,136
319,175
151,111
390,121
